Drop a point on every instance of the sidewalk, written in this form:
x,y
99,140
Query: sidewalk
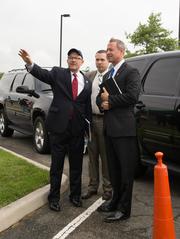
x,y
15,211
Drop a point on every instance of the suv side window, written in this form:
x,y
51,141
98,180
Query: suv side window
x,y
17,81
6,81
41,86
29,81
162,77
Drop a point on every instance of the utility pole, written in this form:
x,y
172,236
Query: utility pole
x,y
61,27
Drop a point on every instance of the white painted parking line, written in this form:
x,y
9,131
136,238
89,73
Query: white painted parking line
x,y
78,220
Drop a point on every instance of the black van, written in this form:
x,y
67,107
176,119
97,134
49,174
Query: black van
x,y
158,109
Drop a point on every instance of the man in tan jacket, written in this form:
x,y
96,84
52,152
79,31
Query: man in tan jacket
x,y
96,148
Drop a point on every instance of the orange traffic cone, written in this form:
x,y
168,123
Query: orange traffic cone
x,y
163,227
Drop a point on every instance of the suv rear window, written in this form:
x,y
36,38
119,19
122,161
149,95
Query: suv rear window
x,y
162,77
138,64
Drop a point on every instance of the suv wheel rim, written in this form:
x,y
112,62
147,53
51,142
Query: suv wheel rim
x,y
39,135
1,123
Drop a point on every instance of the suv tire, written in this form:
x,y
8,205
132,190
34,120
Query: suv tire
x,y
5,131
40,136
140,169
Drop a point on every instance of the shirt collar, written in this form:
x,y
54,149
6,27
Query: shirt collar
x,y
77,73
117,66
102,73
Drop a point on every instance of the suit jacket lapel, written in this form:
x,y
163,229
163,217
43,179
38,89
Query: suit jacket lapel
x,y
86,84
120,70
92,75
68,83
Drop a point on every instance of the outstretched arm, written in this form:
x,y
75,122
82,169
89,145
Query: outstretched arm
x,y
35,70
25,56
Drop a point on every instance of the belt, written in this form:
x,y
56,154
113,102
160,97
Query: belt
x,y
98,115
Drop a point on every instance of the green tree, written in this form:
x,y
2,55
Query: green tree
x,y
1,74
151,37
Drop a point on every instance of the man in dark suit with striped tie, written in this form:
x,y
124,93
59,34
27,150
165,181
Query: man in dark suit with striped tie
x,y
66,121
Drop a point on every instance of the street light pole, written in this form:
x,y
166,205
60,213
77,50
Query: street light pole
x,y
179,27
61,26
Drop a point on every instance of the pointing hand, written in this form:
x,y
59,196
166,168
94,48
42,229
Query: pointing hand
x,y
25,56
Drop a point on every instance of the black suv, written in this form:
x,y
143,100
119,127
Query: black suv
x,y
24,104
158,109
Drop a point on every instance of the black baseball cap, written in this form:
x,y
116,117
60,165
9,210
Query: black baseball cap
x,y
76,51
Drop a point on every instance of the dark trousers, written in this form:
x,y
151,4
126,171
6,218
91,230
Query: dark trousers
x,y
73,145
122,156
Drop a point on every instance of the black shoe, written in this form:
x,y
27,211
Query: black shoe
x,y
116,216
89,194
106,207
76,201
55,206
107,195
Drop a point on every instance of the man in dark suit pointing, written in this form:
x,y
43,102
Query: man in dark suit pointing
x,y
117,99
66,121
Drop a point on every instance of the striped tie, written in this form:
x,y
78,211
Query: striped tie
x,y
100,76
111,72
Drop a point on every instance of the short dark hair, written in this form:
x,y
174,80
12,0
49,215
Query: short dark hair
x,y
101,51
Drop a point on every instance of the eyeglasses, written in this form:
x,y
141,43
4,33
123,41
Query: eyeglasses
x,y
71,58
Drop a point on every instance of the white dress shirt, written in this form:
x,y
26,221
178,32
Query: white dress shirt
x,y
117,66
80,79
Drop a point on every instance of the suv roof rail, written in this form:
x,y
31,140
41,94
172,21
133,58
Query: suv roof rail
x,y
22,69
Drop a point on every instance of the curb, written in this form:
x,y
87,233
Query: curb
x,y
15,211
27,159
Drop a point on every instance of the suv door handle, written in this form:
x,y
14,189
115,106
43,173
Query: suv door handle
x,y
140,105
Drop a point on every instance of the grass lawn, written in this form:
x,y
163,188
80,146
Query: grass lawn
x,y
18,178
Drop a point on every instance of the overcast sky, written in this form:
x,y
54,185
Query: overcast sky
x,y
35,26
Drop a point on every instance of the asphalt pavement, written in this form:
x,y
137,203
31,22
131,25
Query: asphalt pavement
x,y
45,224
